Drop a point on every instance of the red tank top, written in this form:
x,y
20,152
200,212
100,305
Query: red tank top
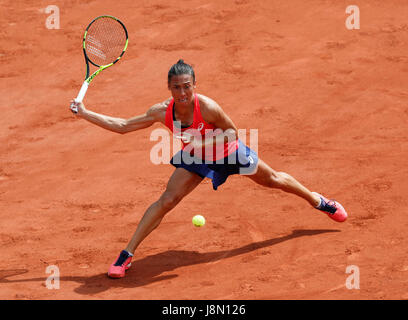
x,y
199,127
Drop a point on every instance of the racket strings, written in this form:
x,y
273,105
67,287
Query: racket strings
x,y
105,41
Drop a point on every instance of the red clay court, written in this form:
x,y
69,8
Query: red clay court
x,y
331,108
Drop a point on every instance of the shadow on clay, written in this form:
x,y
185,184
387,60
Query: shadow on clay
x,y
148,270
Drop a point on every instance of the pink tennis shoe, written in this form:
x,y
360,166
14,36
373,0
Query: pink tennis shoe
x,y
332,208
119,267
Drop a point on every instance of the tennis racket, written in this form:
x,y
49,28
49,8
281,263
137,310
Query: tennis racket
x,y
105,41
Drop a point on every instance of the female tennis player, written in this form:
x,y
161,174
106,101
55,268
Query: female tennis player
x,y
211,149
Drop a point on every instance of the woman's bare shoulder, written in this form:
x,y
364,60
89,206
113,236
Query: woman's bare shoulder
x,y
161,106
158,111
207,102
209,108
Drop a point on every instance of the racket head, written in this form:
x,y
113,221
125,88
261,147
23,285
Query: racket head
x,y
105,41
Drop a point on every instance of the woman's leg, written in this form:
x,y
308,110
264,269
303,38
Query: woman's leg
x,y
268,177
180,184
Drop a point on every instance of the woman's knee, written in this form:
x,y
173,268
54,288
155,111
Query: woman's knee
x,y
169,200
281,180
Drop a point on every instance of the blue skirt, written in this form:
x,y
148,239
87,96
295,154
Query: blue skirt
x,y
243,161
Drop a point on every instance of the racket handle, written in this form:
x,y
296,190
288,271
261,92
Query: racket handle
x,y
82,92
80,96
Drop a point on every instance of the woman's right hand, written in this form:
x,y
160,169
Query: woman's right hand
x,y
77,108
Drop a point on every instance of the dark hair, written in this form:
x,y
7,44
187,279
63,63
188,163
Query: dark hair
x,y
180,68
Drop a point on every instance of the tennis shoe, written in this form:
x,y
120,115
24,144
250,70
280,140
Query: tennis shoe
x,y
332,208
119,267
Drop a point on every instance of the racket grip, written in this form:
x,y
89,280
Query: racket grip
x,y
82,92
80,96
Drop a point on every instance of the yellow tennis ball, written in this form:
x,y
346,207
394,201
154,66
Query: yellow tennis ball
x,y
198,220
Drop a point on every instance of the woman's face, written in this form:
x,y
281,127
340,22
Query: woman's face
x,y
182,89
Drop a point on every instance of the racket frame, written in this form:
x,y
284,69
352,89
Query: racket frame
x,y
89,78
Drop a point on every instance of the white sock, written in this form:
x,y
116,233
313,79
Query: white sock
x,y
320,203
130,254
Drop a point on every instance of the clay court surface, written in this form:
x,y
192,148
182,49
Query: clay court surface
x,y
330,106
